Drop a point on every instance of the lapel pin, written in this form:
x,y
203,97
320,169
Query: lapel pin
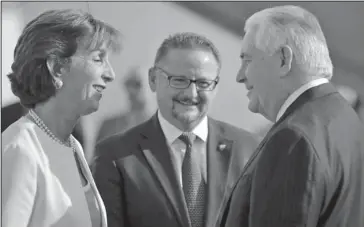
x,y
222,146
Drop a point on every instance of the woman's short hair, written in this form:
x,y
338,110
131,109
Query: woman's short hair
x,y
56,33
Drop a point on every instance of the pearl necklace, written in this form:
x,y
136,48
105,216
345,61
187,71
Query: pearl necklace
x,y
43,126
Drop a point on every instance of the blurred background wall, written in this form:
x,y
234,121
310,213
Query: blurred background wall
x,y
144,25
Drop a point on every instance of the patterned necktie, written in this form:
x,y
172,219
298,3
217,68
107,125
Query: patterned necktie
x,y
193,185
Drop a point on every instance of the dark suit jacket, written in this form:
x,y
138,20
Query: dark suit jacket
x,y
120,124
308,171
136,179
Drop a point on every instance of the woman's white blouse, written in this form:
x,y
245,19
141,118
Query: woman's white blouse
x,y
41,186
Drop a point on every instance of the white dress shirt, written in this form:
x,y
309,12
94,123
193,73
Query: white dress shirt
x,y
178,148
297,93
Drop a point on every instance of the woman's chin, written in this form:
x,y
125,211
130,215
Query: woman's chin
x,y
92,106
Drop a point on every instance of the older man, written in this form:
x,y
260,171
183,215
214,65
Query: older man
x,y
175,169
308,171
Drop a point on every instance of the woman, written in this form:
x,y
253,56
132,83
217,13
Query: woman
x,y
60,70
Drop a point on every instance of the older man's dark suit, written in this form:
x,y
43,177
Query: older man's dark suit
x,y
307,172
136,179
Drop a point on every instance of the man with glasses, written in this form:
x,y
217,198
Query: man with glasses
x,y
175,169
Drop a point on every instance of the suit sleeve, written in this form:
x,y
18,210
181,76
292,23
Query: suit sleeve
x,y
19,186
109,183
288,184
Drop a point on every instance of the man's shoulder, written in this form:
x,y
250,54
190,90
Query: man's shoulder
x,y
122,142
322,121
114,122
320,116
126,136
233,132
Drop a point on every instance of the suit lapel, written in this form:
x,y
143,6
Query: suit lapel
x,y
218,159
309,95
156,152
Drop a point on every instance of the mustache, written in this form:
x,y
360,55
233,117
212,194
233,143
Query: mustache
x,y
194,101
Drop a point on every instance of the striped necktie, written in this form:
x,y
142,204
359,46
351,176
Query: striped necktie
x,y
193,184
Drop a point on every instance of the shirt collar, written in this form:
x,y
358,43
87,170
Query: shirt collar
x,y
297,93
171,132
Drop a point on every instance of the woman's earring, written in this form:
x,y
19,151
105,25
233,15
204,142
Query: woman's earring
x,y
58,84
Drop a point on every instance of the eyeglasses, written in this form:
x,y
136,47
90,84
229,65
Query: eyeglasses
x,y
181,82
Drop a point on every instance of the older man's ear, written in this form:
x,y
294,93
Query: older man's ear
x,y
286,56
